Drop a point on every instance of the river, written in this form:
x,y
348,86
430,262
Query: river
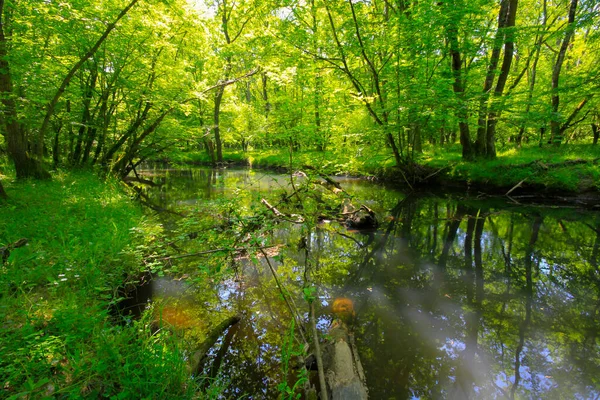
x,y
454,296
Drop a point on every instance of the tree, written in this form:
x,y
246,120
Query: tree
x,y
2,192
16,138
488,113
231,33
555,122
366,79
70,74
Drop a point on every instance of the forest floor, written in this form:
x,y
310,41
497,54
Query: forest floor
x,y
58,337
570,169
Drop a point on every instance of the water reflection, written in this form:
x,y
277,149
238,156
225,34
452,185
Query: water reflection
x,y
454,297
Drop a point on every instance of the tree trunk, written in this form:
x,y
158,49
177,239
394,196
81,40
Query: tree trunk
x,y
130,131
533,77
2,192
265,94
320,139
103,119
86,115
555,131
56,146
481,141
16,140
382,118
216,129
488,113
210,148
595,132
495,109
457,85
120,167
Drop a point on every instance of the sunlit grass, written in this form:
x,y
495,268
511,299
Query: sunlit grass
x,y
57,338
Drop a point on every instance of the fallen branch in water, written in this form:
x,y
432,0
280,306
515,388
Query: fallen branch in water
x,y
337,187
406,180
223,249
351,238
279,214
515,187
434,173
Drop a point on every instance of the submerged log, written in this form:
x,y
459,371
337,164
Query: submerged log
x,y
345,375
201,351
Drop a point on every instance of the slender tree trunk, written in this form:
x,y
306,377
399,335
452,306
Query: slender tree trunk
x,y
320,139
130,131
103,119
56,146
555,125
381,119
495,109
462,111
86,115
16,140
481,141
488,113
120,167
102,139
2,192
595,132
265,93
533,77
216,128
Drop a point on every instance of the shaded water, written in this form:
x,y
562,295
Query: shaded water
x,y
454,297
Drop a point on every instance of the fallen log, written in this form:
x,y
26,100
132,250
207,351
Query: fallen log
x,y
344,371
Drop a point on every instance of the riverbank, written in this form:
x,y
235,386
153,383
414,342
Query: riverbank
x,y
84,238
550,171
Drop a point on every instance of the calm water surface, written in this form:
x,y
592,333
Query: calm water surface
x,y
455,297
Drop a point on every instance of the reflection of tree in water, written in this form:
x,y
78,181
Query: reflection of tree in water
x,y
475,324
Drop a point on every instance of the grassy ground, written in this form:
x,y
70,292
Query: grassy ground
x,y
540,167
549,167
56,336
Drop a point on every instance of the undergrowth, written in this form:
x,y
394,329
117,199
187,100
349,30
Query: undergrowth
x,y
57,338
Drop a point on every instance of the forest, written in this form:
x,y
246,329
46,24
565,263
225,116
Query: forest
x,y
419,180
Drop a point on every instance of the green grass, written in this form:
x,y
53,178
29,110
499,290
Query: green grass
x,y
56,336
513,165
